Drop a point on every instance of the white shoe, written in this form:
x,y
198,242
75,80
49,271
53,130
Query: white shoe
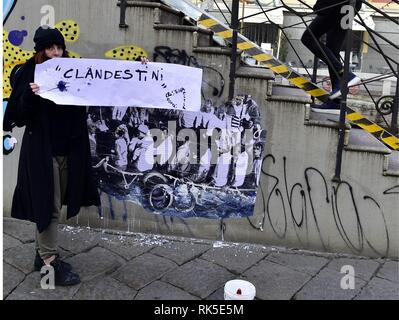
x,y
353,81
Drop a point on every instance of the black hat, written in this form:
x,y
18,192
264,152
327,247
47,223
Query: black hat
x,y
45,37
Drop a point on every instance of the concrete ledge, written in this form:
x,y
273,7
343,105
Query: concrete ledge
x,y
152,5
325,124
391,173
215,50
324,120
288,99
255,73
359,148
361,141
181,28
289,94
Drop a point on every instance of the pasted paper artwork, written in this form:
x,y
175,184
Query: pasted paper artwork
x,y
181,163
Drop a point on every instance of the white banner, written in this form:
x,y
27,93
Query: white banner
x,y
104,82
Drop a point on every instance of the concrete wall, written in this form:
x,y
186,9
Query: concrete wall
x,y
298,205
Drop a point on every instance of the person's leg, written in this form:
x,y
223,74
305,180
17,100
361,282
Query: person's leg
x,y
335,36
318,27
46,241
334,40
63,166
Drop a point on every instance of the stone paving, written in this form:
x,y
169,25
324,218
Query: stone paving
x,y
133,266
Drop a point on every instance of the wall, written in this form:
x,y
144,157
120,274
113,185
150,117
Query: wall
x,y
298,205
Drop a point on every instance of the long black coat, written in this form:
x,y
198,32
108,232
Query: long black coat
x,y
34,193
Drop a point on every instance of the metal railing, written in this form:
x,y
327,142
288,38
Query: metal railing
x,y
384,106
392,63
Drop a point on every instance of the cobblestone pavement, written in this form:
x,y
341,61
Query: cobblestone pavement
x,y
126,266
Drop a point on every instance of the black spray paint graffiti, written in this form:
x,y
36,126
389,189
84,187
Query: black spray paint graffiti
x,y
393,190
299,203
167,55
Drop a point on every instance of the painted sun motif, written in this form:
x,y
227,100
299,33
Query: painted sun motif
x,y
12,56
70,30
126,52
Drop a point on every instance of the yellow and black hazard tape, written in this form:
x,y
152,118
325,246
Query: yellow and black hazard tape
x,y
357,118
264,59
268,61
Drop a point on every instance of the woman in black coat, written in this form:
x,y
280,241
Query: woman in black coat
x,y
54,164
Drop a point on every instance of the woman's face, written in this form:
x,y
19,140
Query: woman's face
x,y
54,51
257,151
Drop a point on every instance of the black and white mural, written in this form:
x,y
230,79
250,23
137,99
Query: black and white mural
x,y
180,163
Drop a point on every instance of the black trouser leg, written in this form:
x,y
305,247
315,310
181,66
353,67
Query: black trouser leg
x,y
329,52
335,39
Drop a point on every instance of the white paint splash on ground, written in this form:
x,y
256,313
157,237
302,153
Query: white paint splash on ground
x,y
144,239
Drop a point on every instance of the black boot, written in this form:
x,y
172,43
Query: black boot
x,y
39,263
62,276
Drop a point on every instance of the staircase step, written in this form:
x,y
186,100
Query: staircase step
x,y
216,57
162,14
152,4
182,28
327,120
201,37
289,94
215,50
255,73
323,119
360,140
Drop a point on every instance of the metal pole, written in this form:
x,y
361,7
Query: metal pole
x,y
395,107
234,26
344,91
278,44
122,21
242,16
314,75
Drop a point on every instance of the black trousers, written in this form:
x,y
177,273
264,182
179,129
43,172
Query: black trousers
x,y
329,25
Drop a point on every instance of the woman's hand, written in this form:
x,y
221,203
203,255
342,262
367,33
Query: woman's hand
x,y
144,60
35,88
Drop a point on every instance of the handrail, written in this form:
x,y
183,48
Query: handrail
x,y
222,11
380,11
344,92
234,26
286,37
